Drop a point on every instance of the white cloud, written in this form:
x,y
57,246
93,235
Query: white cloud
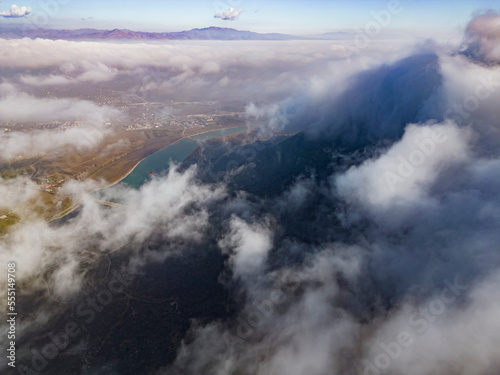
x,y
17,143
16,191
16,105
165,203
97,72
21,107
482,37
404,174
212,69
249,246
16,12
447,336
231,14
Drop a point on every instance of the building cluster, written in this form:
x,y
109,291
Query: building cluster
x,y
187,122
9,127
50,186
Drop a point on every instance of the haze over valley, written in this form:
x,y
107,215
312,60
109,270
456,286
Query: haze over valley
x,y
230,202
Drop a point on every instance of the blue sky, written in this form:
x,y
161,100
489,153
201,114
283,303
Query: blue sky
x,y
290,16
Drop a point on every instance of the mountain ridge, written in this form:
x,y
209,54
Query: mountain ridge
x,y
208,33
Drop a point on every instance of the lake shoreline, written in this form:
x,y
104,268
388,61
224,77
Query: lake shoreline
x,y
161,149
191,138
118,180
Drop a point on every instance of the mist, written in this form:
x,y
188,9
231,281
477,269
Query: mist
x,y
354,227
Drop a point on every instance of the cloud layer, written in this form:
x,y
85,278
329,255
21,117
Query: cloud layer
x,y
365,244
20,107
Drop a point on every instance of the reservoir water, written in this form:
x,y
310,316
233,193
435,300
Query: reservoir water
x,y
176,152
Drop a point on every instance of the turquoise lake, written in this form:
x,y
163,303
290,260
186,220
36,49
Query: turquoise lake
x,y
176,152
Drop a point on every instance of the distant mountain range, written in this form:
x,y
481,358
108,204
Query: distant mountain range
x,y
209,33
